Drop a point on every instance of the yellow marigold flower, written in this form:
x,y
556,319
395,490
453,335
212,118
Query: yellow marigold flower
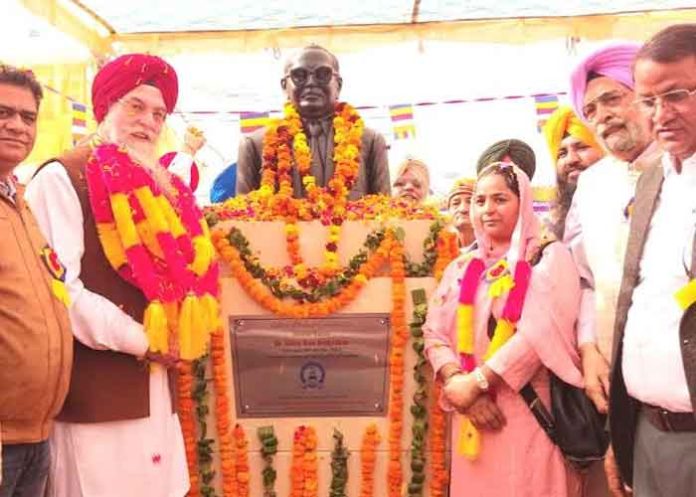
x,y
265,191
300,271
331,258
291,229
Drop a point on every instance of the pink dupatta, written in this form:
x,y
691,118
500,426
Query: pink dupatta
x,y
552,301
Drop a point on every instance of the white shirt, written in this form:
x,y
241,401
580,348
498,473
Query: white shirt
x,y
135,457
652,362
597,233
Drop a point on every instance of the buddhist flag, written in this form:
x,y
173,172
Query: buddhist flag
x,y
543,198
79,121
402,121
544,105
251,121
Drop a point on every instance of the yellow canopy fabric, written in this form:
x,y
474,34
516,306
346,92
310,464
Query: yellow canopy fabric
x,y
63,84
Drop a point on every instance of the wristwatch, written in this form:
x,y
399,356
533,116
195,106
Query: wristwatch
x,y
481,380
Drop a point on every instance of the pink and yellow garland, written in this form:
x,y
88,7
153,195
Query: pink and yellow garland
x,y
160,244
469,437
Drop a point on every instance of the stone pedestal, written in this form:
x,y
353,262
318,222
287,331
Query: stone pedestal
x,y
268,240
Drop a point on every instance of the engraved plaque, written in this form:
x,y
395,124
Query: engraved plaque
x,y
310,367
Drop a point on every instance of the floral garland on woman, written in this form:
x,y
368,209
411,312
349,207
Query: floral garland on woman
x,y
469,437
160,243
284,141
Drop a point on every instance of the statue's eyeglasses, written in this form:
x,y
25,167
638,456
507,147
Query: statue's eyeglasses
x,y
322,75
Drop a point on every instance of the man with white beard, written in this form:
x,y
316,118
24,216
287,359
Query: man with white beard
x,y
118,433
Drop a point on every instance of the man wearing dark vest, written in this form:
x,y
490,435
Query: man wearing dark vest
x,y
118,433
653,379
312,83
35,338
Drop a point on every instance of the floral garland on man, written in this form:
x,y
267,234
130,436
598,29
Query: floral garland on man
x,y
142,278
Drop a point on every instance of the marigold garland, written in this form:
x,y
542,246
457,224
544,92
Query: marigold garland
x,y
396,366
241,461
305,284
300,282
255,207
265,298
286,140
447,250
188,425
304,470
368,460
310,463
159,242
438,473
226,439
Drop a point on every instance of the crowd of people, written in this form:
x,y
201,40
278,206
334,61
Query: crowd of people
x,y
603,298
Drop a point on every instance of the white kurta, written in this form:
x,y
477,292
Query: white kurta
x,y
653,368
143,457
597,229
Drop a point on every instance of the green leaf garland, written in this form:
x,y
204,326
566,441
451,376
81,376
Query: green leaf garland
x,y
419,409
269,447
339,466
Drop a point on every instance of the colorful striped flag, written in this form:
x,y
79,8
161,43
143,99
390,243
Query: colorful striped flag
x,y
251,121
79,121
402,121
544,105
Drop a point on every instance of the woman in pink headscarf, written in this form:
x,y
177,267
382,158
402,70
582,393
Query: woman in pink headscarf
x,y
502,317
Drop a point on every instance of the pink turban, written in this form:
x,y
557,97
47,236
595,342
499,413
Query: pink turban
x,y
614,61
127,72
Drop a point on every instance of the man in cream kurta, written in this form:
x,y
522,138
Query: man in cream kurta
x,y
118,433
597,224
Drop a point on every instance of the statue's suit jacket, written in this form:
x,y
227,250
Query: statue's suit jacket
x,y
373,176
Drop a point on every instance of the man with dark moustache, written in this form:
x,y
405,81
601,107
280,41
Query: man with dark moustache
x,y
35,338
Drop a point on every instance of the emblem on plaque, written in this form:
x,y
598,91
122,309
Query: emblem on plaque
x,y
312,375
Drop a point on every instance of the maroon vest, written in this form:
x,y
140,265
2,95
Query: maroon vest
x,y
105,385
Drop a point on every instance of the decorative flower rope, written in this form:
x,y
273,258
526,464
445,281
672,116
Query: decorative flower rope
x,y
304,470
437,467
368,460
266,299
188,424
226,439
447,250
285,143
396,366
241,461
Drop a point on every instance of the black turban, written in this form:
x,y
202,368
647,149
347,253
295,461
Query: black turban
x,y
510,150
